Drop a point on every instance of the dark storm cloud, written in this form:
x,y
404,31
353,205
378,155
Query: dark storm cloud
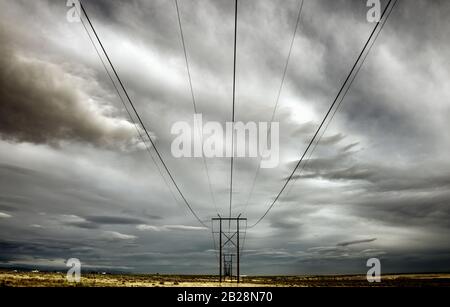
x,y
390,194
347,243
348,147
411,209
350,173
39,249
12,199
17,170
307,128
53,254
379,177
41,104
285,224
143,213
82,224
318,165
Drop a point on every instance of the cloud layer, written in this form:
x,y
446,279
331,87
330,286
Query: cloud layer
x,y
44,104
76,182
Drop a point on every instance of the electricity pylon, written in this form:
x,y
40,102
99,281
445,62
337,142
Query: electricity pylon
x,y
229,240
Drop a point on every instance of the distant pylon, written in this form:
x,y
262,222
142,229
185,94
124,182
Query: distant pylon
x,y
226,239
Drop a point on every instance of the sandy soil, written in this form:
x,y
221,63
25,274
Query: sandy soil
x,y
39,279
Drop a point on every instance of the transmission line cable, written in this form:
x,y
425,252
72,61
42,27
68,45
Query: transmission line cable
x,y
277,100
205,165
140,119
234,104
325,118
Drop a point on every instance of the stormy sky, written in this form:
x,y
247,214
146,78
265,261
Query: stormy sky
x,y
77,182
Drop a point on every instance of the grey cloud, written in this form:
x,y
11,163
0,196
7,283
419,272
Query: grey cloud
x,y
5,215
13,199
409,209
322,164
113,220
143,213
7,208
379,177
324,249
144,227
41,103
117,236
350,173
347,243
95,222
184,227
18,170
286,224
348,147
333,139
82,224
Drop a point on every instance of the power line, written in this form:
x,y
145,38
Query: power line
x,y
126,108
139,118
214,240
243,241
291,47
324,119
341,100
277,99
194,102
234,103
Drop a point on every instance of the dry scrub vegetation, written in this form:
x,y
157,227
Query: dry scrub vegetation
x,y
42,279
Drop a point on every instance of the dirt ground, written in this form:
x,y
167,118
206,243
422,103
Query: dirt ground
x,y
40,279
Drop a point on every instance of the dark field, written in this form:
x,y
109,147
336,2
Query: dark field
x,y
41,279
